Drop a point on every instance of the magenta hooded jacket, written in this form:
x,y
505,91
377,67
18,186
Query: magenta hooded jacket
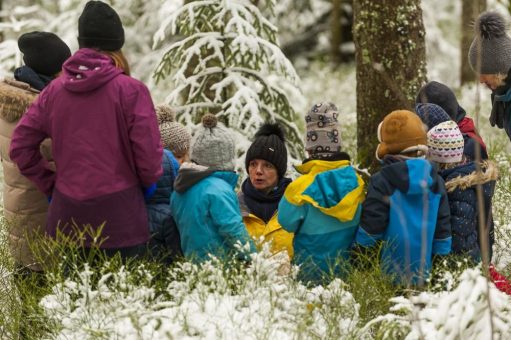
x,y
105,143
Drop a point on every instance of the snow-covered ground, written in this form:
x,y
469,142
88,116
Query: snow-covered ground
x,y
257,302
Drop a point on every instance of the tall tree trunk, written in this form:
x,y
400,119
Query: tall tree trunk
x,y
469,13
335,31
391,65
1,19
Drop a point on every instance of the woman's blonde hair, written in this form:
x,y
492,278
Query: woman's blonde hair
x,y
501,78
119,60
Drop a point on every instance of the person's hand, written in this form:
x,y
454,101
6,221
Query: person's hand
x,y
149,191
497,114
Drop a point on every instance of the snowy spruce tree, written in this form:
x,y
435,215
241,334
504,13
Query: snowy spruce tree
x,y
228,63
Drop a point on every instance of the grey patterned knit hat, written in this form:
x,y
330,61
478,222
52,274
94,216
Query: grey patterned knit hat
x,y
213,145
174,136
493,43
323,136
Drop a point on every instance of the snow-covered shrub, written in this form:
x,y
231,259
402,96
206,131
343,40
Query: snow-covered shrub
x,y
475,309
217,299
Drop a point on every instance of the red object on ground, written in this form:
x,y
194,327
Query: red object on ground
x,y
500,281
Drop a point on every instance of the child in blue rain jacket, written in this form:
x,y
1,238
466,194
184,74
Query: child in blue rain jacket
x,y
204,203
406,204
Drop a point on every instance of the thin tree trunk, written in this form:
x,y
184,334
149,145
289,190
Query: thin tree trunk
x,y
391,65
470,11
1,19
335,32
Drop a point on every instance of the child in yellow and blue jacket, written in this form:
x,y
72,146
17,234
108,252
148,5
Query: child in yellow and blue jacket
x,y
323,206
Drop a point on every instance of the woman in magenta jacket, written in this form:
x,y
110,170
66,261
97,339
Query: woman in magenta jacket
x,y
106,142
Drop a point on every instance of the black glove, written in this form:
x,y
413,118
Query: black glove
x,y
497,114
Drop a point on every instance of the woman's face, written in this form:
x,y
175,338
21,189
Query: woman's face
x,y
492,81
263,175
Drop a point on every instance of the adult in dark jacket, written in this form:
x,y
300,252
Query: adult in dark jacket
x,y
106,143
445,143
490,58
441,96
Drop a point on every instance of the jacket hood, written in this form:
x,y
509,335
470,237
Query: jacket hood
x,y
334,156
467,126
191,173
413,176
87,70
15,98
319,165
468,129
460,114
466,176
334,188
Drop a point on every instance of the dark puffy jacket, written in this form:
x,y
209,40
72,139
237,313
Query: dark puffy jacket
x,y
165,243
461,183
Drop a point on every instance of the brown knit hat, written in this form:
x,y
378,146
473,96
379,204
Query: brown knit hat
x,y
401,131
174,136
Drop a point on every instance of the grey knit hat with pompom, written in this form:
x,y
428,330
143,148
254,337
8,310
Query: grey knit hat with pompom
x,y
213,145
492,43
174,136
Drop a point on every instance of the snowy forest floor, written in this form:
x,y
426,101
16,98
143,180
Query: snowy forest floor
x,y
222,299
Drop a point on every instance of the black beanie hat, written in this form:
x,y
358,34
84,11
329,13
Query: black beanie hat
x,y
43,52
269,144
441,95
99,26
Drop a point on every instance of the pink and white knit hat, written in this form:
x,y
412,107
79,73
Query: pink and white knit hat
x,y
445,143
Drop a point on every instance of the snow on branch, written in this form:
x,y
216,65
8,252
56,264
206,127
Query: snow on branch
x,y
222,64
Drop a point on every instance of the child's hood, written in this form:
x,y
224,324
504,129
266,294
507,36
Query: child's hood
x,y
191,173
87,70
413,176
466,175
334,188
